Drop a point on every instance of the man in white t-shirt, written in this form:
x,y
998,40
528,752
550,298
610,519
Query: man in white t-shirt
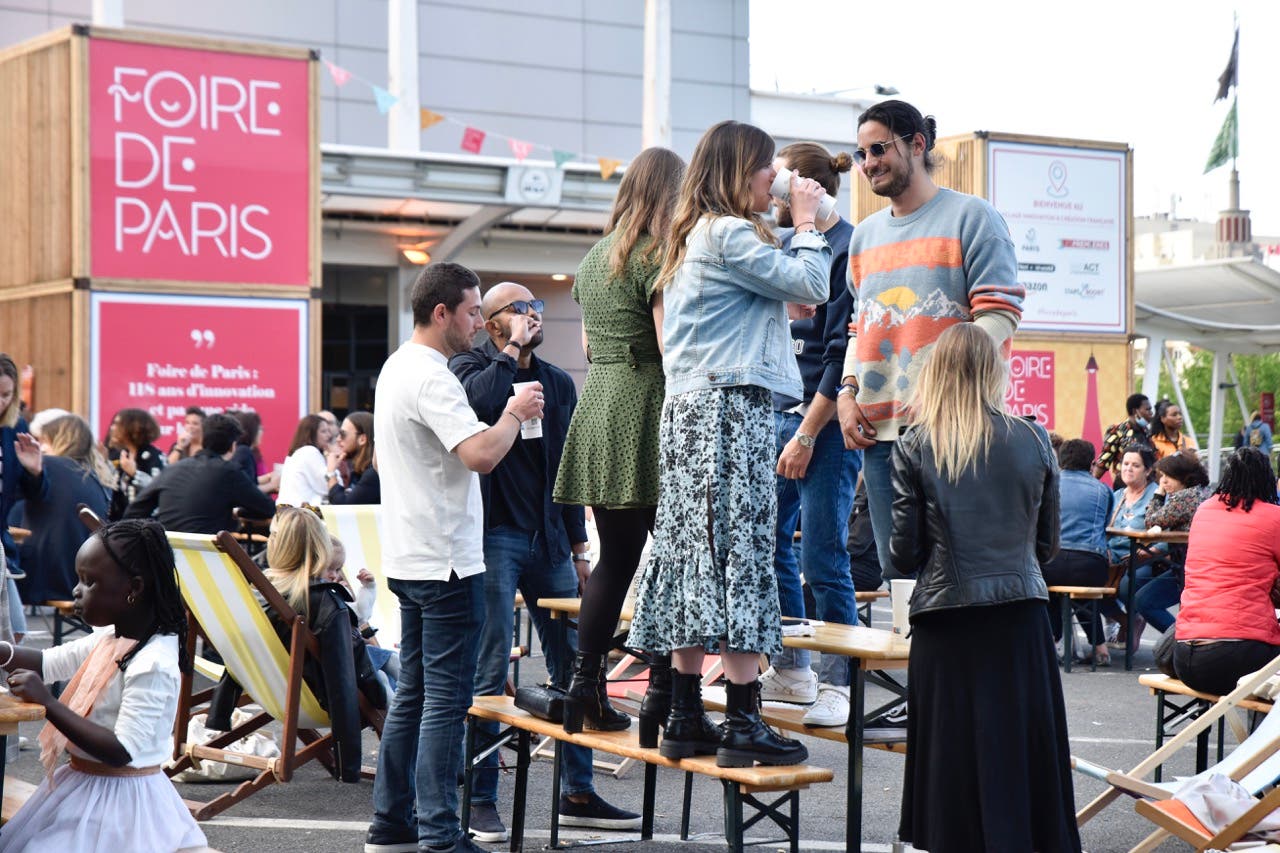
x,y
430,447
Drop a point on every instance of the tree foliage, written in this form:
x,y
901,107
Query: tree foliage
x,y
1257,374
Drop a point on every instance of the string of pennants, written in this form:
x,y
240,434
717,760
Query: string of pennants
x,y
473,138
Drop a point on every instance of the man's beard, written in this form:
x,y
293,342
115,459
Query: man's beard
x,y
534,341
899,181
457,341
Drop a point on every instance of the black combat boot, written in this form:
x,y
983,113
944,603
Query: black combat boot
x,y
656,706
688,730
587,700
746,738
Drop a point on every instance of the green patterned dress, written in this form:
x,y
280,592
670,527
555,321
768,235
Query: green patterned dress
x,y
611,453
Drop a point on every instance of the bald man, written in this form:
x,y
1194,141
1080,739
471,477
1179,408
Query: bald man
x,y
531,543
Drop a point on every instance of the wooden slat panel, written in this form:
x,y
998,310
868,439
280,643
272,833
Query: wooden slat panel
x,y
38,331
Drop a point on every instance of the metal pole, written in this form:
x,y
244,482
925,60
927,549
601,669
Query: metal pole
x,y
1235,377
108,13
1151,369
402,74
656,123
1220,363
1187,427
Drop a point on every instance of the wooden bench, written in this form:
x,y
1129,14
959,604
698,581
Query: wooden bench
x,y
740,784
1177,704
791,718
16,794
1078,593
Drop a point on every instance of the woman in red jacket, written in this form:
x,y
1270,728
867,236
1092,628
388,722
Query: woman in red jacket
x,y
1227,626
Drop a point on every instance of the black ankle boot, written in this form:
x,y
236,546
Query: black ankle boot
x,y
746,738
587,699
689,731
656,706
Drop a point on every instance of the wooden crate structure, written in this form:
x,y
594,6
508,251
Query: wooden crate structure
x,y
49,274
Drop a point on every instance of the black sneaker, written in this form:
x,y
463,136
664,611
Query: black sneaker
x,y
595,813
391,840
486,825
463,844
888,727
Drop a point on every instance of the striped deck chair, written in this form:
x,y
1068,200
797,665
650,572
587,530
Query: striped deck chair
x,y
218,583
359,527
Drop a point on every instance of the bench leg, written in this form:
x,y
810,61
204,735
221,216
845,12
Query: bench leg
x,y
468,774
650,794
1093,620
1159,771
688,804
1068,634
794,829
556,761
733,816
522,791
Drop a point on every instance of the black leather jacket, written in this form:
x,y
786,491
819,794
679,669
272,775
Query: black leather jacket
x,y
980,540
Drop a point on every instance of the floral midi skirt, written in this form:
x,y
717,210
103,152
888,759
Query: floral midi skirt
x,y
710,578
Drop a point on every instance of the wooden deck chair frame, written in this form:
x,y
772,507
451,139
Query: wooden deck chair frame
x,y
298,711
1134,784
1195,834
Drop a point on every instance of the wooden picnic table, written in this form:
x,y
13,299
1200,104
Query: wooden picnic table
x,y
13,711
871,651
1138,538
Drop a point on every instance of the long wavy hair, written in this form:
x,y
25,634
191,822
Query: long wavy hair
x,y
363,422
960,386
643,206
72,437
298,552
9,415
718,183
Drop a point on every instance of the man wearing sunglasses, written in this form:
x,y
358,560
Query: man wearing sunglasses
x,y
531,543
931,259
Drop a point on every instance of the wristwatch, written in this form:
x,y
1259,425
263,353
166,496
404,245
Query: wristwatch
x,y
584,557
805,440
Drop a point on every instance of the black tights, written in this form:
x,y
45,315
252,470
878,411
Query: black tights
x,y
622,537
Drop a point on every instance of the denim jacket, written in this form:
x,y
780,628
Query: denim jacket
x,y
725,319
1085,506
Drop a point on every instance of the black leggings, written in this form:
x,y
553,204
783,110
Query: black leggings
x,y
622,537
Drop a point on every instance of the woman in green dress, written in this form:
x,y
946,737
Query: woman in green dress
x,y
610,460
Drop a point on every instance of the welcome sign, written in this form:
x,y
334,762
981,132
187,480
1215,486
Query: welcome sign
x,y
200,165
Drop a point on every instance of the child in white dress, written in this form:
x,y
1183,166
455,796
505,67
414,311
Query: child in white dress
x,y
115,719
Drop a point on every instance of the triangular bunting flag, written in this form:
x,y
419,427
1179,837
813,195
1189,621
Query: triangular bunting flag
x,y
608,167
385,99
472,140
520,148
562,157
340,75
427,118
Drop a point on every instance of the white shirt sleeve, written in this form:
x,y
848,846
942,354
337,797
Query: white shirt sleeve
x,y
59,663
443,407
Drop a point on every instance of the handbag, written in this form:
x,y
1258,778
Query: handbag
x,y
544,701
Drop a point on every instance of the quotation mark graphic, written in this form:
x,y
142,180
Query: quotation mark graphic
x,y
203,337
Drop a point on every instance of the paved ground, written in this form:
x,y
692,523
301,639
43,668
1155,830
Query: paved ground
x,y
1111,722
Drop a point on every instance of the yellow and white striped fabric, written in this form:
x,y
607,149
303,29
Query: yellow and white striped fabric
x,y
359,527
223,602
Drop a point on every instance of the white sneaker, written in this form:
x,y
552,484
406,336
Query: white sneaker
x,y
831,707
796,686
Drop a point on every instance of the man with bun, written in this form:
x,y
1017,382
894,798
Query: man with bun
x,y
817,474
932,258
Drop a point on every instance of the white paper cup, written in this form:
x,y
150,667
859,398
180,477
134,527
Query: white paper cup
x,y
532,427
900,597
781,190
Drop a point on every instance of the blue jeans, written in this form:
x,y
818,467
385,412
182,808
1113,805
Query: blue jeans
x,y
821,501
518,559
421,753
1153,596
875,473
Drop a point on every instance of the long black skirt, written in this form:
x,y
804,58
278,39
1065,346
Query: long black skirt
x,y
988,763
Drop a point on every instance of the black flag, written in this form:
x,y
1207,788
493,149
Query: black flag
x,y
1229,77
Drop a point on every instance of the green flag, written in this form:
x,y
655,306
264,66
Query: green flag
x,y
1225,146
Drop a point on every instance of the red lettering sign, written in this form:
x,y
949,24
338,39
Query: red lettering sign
x,y
164,353
1031,388
200,165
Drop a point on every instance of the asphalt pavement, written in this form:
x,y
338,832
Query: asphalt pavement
x,y
1111,722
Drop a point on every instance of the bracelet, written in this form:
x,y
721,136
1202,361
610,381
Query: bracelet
x,y
514,415
12,652
800,225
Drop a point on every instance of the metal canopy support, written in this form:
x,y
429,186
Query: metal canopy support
x,y
1235,378
1221,361
1151,369
1187,426
468,229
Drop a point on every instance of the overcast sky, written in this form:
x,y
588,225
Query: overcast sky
x,y
1133,71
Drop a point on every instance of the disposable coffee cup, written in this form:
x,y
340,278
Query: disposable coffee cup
x,y
900,597
531,428
781,190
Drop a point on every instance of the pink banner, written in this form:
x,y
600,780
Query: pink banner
x,y
1031,386
200,165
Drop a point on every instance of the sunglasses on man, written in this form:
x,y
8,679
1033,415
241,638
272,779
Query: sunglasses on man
x,y
876,149
522,306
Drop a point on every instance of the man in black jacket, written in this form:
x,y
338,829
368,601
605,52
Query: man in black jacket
x,y
197,494
531,543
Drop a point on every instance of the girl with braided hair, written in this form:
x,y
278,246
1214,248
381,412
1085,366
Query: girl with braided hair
x,y
115,718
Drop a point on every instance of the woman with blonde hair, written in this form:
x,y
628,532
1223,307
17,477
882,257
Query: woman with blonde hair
x,y
726,350
299,551
77,472
975,513
610,458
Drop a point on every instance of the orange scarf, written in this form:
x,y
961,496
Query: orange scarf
x,y
81,693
